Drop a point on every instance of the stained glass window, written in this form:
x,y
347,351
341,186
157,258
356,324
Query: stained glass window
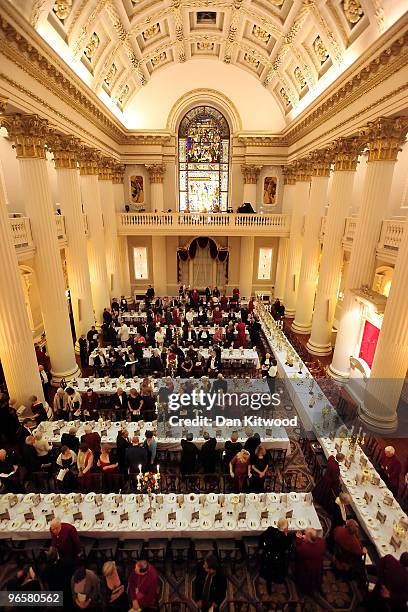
x,y
204,144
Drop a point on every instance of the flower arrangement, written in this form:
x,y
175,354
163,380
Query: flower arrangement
x,y
148,481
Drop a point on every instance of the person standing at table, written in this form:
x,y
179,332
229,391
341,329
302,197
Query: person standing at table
x,y
348,550
241,329
74,402
240,469
85,462
92,337
119,403
64,537
83,351
275,545
391,469
92,439
124,334
309,554
60,405
38,410
210,585
113,589
123,304
122,443
90,405
70,439
259,469
231,448
208,454
66,462
327,489
189,455
135,404
135,456
143,586
150,446
391,590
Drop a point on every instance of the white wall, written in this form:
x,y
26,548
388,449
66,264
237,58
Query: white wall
x,y
257,108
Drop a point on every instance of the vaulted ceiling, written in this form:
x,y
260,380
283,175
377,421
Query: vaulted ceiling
x,y
294,48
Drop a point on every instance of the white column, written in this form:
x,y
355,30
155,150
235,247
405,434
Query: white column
x,y
384,138
320,162
299,209
250,174
111,232
117,181
246,266
66,150
281,268
96,242
159,265
156,175
390,365
17,353
346,155
29,133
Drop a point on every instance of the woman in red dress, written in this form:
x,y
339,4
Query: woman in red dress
x,y
240,469
327,489
241,329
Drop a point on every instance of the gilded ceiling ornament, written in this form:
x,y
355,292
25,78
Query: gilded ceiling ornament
x,y
261,34
92,46
28,134
62,8
251,60
284,96
111,75
123,94
320,50
205,45
353,10
159,58
385,137
299,76
151,32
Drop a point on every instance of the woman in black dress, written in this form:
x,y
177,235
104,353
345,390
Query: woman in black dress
x,y
113,589
259,468
135,404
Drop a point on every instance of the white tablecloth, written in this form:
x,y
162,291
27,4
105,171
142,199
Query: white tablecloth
x,y
300,384
279,438
159,526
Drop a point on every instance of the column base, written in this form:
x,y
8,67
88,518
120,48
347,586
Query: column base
x,y
299,328
289,314
319,349
378,425
67,376
338,375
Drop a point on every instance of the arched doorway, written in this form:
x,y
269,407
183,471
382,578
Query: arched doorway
x,y
204,151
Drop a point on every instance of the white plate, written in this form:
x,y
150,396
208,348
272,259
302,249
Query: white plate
x,y
89,497
265,523
272,497
301,523
87,524
158,525
17,524
212,498
182,525
242,524
230,524
39,524
50,497
205,523
253,524
171,498
294,496
192,498
252,497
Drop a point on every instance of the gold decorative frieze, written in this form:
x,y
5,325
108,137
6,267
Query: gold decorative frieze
x,y
284,96
385,137
353,11
158,59
263,141
346,152
205,45
123,94
106,165
156,172
65,148
3,104
299,77
118,173
108,80
303,170
89,161
91,46
320,50
28,134
250,173
62,9
251,60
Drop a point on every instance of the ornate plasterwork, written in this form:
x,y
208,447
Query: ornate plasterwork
x,y
89,159
250,173
118,173
65,149
353,10
289,174
385,137
62,8
346,152
156,172
320,162
262,141
105,167
28,134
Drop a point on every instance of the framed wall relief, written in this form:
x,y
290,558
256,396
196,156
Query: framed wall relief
x,y
269,190
137,189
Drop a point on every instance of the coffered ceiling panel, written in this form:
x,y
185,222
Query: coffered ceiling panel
x,y
294,48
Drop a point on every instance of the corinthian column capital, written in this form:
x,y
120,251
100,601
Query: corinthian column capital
x,y
250,173
303,170
346,152
118,174
66,150
321,161
3,104
106,165
385,137
156,172
28,132
89,160
289,176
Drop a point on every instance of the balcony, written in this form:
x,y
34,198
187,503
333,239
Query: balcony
x,y
390,238
230,224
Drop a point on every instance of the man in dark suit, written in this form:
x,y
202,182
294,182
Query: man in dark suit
x,y
219,384
30,458
208,454
189,455
210,585
92,337
189,335
149,293
70,439
119,401
123,304
135,455
25,430
122,444
83,350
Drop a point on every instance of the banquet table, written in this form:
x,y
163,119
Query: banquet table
x,y
171,515
250,356
52,431
133,317
318,415
209,329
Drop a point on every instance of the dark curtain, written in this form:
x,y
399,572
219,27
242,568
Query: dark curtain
x,y
202,241
192,251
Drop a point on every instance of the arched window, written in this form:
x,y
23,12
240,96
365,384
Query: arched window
x,y
204,145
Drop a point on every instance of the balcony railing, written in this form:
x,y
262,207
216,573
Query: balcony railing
x,y
349,230
238,224
391,234
21,231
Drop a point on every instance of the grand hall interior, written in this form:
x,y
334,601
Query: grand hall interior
x,y
203,305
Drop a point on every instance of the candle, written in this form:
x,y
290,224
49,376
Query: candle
x,y
158,469
140,468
